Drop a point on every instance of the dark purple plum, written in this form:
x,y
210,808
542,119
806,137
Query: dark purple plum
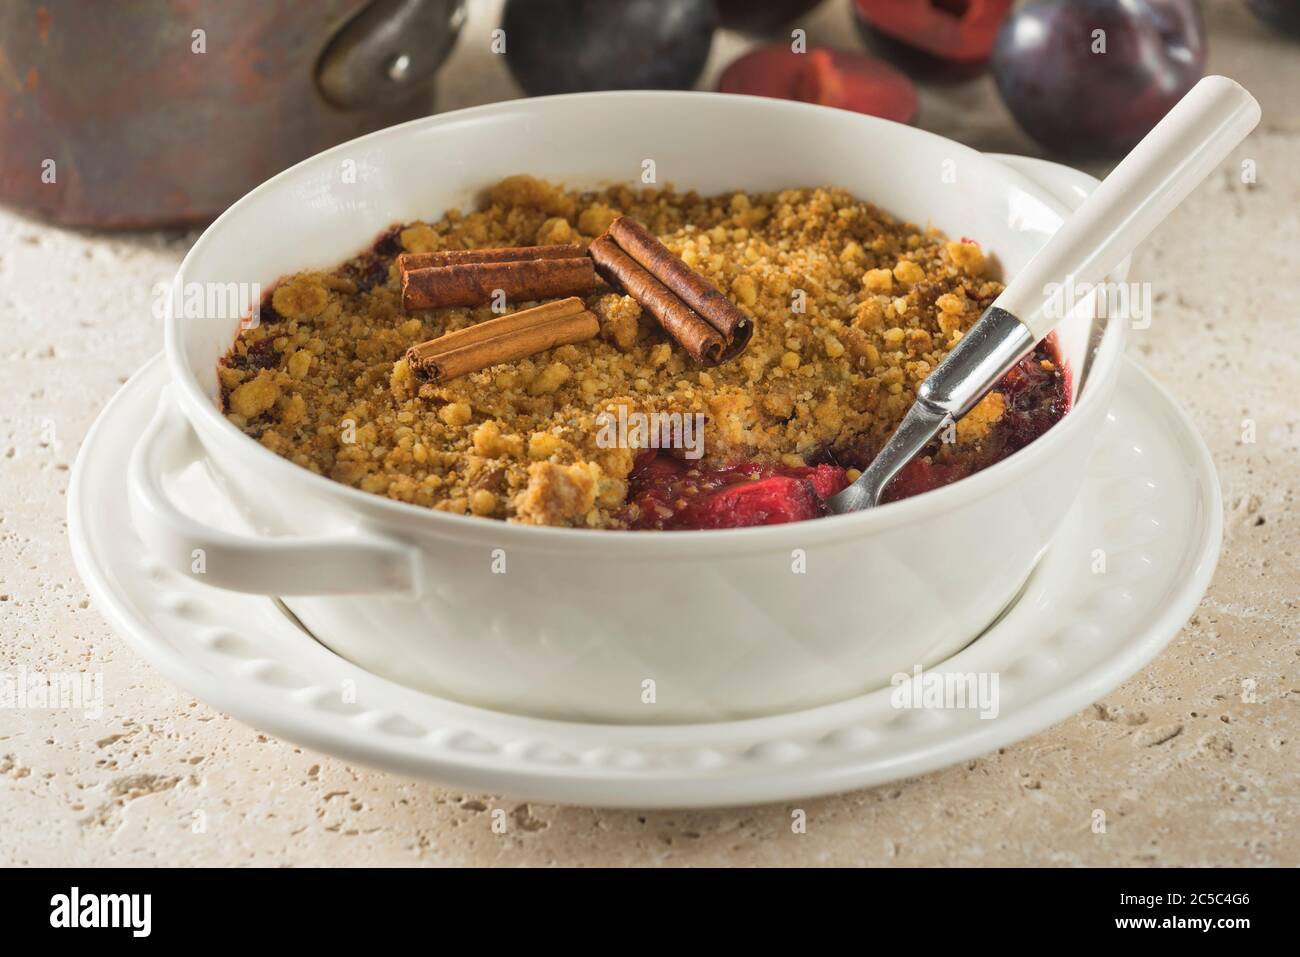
x,y
1076,99
761,16
1282,14
567,46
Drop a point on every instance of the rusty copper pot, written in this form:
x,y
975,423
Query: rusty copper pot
x,y
163,112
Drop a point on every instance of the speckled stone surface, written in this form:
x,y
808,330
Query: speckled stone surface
x,y
1194,760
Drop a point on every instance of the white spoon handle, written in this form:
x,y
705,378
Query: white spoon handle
x,y
1180,151
1183,148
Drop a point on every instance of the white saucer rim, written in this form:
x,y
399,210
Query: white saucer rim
x,y
608,786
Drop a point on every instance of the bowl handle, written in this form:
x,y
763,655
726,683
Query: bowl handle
x,y
353,563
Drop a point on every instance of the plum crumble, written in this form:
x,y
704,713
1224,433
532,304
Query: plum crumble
x,y
851,309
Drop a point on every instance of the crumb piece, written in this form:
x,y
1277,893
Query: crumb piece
x,y
419,238
976,423
853,252
745,289
550,379
952,302
255,396
918,342
542,445
870,314
491,443
299,363
619,320
558,494
529,191
908,272
456,413
302,297
968,257
595,219
878,280
553,232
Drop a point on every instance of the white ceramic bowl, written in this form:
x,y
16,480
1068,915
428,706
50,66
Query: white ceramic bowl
x,y
592,625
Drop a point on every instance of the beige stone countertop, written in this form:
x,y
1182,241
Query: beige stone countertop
x,y
1188,768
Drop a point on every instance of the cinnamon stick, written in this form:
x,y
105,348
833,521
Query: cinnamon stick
x,y
499,254
704,343
507,339
475,283
688,285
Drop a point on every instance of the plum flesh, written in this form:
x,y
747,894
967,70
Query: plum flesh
x,y
939,40
848,81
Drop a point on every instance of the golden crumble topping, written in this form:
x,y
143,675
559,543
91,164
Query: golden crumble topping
x,y
852,308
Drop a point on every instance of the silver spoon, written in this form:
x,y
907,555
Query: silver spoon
x,y
1183,148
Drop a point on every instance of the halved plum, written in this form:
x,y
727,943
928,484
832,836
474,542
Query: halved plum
x,y
932,39
848,81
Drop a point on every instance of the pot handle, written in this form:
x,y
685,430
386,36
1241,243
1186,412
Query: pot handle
x,y
353,563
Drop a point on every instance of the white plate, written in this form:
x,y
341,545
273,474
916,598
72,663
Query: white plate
x,y
1150,509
